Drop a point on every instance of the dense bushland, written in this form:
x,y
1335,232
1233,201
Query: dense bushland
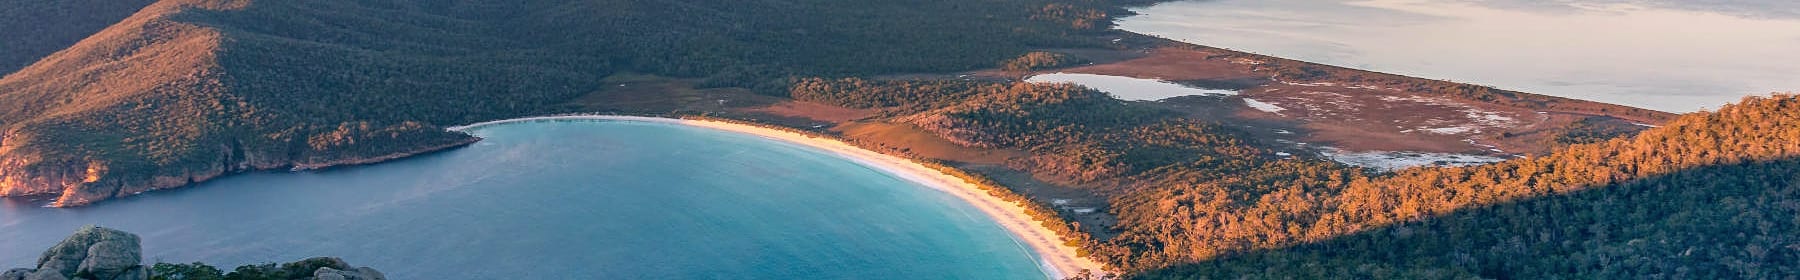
x,y
1707,195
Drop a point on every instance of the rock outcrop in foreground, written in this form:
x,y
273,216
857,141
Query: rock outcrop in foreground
x,y
98,253
336,269
91,253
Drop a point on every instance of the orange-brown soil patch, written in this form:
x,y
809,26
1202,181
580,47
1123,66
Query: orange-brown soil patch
x,y
911,139
1175,64
813,111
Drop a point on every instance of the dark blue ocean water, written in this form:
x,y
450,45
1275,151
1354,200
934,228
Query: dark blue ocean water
x,y
565,200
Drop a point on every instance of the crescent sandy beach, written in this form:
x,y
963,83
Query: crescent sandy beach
x,y
1058,260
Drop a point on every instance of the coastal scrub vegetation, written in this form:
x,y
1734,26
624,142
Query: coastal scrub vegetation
x,y
896,97
299,270
1707,195
1040,60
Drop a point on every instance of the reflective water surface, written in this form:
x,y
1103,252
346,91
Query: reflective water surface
x,y
565,200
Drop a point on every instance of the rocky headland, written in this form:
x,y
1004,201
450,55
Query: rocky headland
x,y
24,173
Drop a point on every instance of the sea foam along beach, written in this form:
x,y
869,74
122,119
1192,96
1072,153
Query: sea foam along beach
x,y
1059,261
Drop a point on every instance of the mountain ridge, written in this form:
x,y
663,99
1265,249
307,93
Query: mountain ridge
x,y
187,90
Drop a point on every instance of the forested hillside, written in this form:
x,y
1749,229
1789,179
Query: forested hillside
x,y
186,90
1692,198
1709,195
1717,222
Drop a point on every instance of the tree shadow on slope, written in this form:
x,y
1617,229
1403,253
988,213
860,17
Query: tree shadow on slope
x,y
1715,222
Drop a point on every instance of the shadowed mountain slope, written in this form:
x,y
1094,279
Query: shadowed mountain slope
x,y
33,29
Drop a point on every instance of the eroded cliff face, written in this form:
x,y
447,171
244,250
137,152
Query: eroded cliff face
x,y
20,177
23,173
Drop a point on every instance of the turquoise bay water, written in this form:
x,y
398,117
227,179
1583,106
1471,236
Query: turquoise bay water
x,y
565,200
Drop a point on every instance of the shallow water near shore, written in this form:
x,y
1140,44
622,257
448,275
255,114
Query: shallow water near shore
x,y
565,200
1128,88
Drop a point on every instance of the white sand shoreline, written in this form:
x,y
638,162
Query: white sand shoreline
x,y
1059,261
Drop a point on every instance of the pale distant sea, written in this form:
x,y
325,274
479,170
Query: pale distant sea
x,y
1671,55
565,200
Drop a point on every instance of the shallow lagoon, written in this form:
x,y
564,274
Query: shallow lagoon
x,y
565,200
1128,88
